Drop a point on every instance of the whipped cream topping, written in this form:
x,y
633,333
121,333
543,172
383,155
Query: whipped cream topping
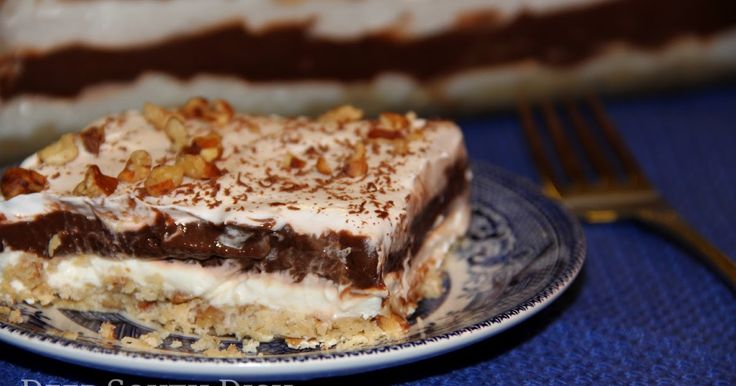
x,y
48,24
257,189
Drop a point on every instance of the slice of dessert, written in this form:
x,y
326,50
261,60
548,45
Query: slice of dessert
x,y
325,231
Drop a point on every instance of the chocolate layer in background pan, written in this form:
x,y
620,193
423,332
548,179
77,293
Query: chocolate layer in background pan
x,y
283,53
288,251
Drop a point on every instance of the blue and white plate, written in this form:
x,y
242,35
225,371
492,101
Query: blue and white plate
x,y
521,253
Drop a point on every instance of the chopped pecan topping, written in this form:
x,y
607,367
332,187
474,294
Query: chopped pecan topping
x,y
155,115
342,114
163,179
293,162
92,138
95,183
393,121
177,133
137,168
390,126
208,146
219,111
397,129
60,152
196,107
323,167
222,112
17,181
356,166
379,132
211,140
195,166
210,153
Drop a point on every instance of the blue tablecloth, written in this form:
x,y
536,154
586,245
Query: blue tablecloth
x,y
642,311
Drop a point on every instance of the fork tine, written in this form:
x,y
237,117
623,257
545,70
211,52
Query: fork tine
x,y
630,166
570,163
590,145
550,183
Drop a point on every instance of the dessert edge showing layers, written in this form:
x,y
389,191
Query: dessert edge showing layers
x,y
323,231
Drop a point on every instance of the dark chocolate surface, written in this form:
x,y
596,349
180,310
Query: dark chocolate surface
x,y
286,53
265,250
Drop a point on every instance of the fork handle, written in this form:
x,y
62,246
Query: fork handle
x,y
667,220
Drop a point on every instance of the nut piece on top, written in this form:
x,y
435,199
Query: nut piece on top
x,y
195,166
60,152
356,166
196,152
195,157
137,167
218,112
155,115
95,183
17,181
163,179
177,133
323,166
208,146
92,137
342,114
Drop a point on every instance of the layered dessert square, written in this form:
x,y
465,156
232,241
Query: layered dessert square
x,y
323,231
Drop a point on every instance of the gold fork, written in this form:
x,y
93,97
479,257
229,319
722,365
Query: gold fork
x,y
623,193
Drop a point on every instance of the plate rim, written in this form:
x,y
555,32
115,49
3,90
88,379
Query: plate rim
x,y
312,365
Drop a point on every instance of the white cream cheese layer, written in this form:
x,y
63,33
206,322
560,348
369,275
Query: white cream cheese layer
x,y
223,286
218,286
